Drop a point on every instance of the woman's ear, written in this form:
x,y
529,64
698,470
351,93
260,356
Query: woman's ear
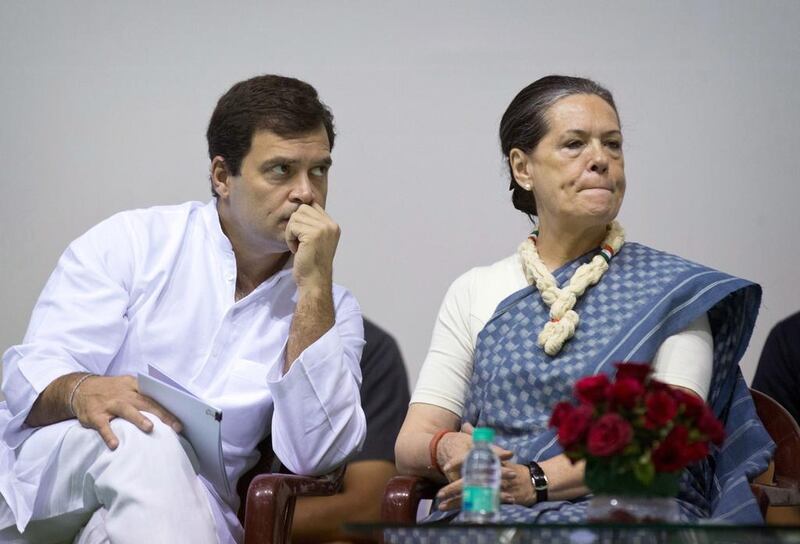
x,y
520,168
220,176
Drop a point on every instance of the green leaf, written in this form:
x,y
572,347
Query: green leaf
x,y
616,475
632,449
665,484
644,471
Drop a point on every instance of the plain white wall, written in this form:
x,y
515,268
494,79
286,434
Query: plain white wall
x,y
104,107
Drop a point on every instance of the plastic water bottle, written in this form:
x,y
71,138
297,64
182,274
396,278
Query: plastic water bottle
x,y
481,473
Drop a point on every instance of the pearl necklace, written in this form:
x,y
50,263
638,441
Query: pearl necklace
x,y
563,319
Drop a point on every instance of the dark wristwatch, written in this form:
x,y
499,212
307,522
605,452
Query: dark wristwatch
x,y
539,481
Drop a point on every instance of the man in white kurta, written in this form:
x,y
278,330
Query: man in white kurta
x,y
232,298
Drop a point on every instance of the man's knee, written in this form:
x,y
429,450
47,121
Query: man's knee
x,y
161,442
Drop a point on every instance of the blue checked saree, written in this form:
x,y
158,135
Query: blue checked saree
x,y
645,296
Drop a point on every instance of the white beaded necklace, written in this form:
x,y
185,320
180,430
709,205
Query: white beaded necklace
x,y
563,319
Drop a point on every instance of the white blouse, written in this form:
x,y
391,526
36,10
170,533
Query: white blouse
x,y
684,359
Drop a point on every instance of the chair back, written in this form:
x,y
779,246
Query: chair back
x,y
784,487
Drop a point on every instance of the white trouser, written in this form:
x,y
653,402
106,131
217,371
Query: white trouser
x,y
145,491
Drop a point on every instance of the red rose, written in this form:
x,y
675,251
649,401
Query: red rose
x,y
609,435
591,389
655,385
661,408
573,426
560,412
670,455
625,392
637,371
710,426
696,451
693,406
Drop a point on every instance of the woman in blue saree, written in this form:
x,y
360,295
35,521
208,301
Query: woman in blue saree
x,y
512,338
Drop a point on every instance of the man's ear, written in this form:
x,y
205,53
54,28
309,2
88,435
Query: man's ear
x,y
521,167
220,176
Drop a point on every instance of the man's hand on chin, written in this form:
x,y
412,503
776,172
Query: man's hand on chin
x,y
312,236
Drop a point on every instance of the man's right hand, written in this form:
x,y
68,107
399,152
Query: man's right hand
x,y
99,399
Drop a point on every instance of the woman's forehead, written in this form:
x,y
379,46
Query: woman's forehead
x,y
582,112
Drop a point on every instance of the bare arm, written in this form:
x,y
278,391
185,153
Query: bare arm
x,y
97,401
412,451
52,404
313,317
320,519
312,236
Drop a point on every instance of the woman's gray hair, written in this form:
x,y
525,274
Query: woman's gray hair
x,y
524,123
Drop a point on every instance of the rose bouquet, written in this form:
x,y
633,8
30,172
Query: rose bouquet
x,y
635,433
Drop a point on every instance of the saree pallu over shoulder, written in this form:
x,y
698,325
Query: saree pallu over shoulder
x,y
645,296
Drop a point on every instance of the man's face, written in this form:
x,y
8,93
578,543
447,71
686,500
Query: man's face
x,y
277,176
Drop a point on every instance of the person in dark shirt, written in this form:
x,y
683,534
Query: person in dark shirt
x,y
778,372
384,398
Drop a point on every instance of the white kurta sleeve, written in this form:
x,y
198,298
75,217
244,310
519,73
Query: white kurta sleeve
x,y
318,420
78,323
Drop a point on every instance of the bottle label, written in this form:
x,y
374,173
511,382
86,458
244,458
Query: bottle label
x,y
480,499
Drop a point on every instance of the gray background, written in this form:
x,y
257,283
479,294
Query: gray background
x,y
104,107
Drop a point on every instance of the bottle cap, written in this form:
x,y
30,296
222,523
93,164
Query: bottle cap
x,y
483,434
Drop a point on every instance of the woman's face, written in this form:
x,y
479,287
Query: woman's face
x,y
577,171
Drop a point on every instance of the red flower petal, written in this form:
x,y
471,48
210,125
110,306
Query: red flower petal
x,y
591,389
609,435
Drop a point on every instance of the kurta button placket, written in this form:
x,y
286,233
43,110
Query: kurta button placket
x,y
221,341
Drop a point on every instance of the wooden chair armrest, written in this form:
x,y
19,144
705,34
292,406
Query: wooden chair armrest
x,y
776,495
271,499
402,496
761,498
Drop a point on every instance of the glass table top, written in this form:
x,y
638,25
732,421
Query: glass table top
x,y
579,534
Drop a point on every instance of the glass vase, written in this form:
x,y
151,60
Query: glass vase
x,y
632,509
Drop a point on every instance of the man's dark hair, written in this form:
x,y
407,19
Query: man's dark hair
x,y
283,105
524,123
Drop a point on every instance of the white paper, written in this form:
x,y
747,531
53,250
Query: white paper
x,y
162,376
202,423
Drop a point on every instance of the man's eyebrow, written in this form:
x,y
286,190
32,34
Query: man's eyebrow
x,y
279,160
326,161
